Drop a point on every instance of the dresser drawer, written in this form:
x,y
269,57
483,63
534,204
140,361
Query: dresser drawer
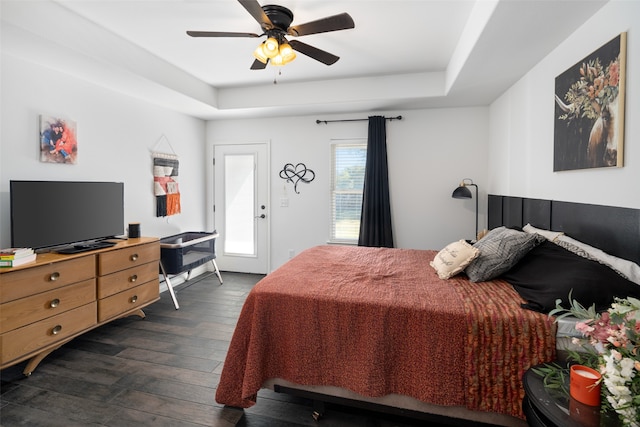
x,y
30,281
36,336
124,301
24,311
125,279
121,259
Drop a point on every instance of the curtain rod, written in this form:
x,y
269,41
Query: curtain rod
x,y
355,120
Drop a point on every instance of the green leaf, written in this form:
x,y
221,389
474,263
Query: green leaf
x,y
576,310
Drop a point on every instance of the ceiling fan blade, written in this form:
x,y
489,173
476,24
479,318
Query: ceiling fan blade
x,y
342,21
219,34
259,65
314,52
254,8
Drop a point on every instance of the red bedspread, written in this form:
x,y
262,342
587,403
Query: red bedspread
x,y
378,321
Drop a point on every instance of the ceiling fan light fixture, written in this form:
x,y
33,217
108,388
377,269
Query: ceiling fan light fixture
x,y
270,47
287,53
259,54
275,23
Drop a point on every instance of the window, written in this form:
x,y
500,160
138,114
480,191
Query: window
x,y
348,160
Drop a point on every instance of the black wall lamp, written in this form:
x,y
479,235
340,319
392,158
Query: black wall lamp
x,y
463,192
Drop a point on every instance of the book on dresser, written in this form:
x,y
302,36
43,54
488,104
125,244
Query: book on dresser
x,y
13,253
17,261
13,257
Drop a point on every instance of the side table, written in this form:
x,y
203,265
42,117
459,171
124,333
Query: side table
x,y
546,407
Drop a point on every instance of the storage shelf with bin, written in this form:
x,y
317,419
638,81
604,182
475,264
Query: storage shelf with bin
x,y
45,304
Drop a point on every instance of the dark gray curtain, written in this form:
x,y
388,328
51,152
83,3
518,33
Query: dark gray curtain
x,y
375,220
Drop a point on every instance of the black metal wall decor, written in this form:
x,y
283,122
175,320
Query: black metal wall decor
x,y
297,173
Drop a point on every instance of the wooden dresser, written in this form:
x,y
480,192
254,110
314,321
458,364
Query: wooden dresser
x,y
48,303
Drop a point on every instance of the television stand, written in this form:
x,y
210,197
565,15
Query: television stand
x,y
47,303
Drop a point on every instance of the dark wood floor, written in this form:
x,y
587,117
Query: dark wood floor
x,y
160,371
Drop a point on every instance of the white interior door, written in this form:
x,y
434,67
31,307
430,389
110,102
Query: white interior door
x,y
241,212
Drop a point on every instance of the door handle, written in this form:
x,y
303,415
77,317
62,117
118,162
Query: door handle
x,y
260,216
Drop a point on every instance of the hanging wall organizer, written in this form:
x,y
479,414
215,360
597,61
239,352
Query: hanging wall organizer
x,y
165,179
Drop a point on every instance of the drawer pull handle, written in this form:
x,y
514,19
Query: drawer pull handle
x,y
134,298
54,276
54,303
133,278
134,257
56,329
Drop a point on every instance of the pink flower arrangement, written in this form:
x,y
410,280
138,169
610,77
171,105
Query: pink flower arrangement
x,y
615,336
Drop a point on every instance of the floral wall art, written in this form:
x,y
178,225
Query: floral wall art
x,y
589,110
58,143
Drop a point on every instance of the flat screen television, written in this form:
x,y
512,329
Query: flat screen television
x,y
46,214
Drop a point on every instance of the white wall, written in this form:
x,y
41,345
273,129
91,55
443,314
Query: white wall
x,y
429,152
506,148
115,134
521,123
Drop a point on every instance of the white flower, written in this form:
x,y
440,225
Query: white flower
x,y
627,365
615,335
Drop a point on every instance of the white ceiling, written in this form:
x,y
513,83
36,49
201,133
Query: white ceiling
x,y
402,54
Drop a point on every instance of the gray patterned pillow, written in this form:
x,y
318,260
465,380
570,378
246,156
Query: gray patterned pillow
x,y
500,250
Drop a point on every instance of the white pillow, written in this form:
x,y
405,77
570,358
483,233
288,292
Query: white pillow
x,y
454,258
547,234
627,269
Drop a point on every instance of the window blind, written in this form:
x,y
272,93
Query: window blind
x,y
348,161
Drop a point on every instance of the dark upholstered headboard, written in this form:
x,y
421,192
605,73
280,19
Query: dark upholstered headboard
x,y
613,229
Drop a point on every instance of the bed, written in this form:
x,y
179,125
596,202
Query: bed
x,y
379,326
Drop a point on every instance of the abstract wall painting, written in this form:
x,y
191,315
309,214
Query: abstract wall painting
x,y
589,110
58,141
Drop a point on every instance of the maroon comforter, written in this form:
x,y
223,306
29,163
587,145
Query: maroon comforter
x,y
378,321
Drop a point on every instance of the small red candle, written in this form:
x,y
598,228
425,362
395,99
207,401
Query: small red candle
x,y
584,385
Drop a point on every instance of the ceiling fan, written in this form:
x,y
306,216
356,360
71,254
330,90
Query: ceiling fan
x,y
275,22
